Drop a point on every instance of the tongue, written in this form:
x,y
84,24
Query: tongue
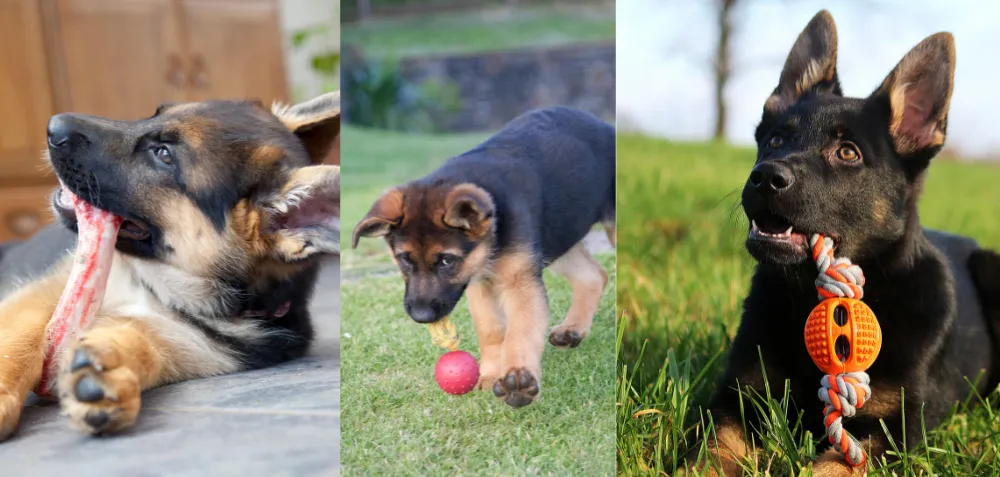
x,y
84,291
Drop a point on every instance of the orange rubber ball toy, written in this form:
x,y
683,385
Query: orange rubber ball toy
x,y
842,336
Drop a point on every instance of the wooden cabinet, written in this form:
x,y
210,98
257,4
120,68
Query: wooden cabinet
x,y
25,93
120,59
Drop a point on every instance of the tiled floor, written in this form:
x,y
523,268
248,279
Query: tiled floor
x,y
281,421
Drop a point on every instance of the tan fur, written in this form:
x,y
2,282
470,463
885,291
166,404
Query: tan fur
x,y
469,207
588,280
266,155
611,230
491,325
832,464
476,263
384,213
880,210
301,115
197,246
726,449
817,71
522,299
23,320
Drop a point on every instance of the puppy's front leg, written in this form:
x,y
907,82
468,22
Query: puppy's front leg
x,y
490,328
522,299
103,374
24,316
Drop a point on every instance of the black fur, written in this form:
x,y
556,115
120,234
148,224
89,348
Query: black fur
x,y
551,173
918,283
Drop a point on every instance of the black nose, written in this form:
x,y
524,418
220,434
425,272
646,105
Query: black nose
x,y
771,177
62,129
422,313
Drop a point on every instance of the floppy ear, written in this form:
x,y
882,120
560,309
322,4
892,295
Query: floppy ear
x,y
384,214
470,208
316,122
811,65
302,219
918,92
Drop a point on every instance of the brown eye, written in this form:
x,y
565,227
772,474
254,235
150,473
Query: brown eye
x,y
162,154
775,142
848,153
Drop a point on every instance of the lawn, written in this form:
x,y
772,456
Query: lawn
x,y
489,29
396,421
681,235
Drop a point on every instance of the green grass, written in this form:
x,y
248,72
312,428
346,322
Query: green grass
x,y
680,235
396,421
492,29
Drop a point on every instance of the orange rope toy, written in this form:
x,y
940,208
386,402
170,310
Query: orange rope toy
x,y
843,339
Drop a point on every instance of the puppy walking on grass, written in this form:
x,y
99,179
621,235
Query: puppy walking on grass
x,y
488,221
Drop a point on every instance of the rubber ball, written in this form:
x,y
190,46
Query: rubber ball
x,y
456,372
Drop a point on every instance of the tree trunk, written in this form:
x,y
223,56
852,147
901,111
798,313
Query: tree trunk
x,y
722,66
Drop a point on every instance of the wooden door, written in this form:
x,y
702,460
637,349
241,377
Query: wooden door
x,y
236,49
118,58
25,92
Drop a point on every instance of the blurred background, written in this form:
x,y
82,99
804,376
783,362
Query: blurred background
x,y
424,80
708,65
473,65
122,58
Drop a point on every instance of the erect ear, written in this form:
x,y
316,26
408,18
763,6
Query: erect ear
x,y
316,122
918,91
302,219
811,65
470,208
384,214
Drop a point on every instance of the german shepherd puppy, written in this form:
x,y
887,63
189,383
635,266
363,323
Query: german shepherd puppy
x,y
488,221
852,169
227,211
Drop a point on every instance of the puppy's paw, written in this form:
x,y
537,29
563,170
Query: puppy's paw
x,y
566,336
831,468
10,413
97,393
518,388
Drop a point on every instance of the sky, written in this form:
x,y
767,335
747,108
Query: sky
x,y
665,47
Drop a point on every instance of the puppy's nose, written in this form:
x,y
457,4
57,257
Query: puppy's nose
x,y
62,129
422,311
771,177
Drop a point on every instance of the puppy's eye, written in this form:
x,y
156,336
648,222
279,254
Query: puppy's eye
x,y
775,142
162,154
848,153
405,261
447,260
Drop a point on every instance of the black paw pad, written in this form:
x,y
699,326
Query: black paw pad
x,y
80,360
88,390
96,420
518,388
566,339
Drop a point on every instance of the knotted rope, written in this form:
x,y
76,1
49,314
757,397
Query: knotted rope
x,y
847,391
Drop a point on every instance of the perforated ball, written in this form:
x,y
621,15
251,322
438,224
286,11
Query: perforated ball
x,y
457,372
842,336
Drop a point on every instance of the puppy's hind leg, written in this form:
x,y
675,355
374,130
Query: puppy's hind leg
x,y
588,280
23,320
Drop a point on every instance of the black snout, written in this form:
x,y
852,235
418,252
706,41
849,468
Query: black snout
x,y
66,130
771,177
425,311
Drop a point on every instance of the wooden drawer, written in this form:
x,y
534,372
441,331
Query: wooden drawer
x,y
24,210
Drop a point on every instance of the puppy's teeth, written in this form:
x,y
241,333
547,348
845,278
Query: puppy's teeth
x,y
789,231
753,223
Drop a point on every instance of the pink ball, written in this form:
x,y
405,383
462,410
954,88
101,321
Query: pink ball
x,y
456,372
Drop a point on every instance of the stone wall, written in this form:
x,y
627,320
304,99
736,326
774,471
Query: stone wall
x,y
493,88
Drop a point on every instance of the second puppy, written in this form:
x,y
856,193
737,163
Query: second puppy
x,y
488,221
